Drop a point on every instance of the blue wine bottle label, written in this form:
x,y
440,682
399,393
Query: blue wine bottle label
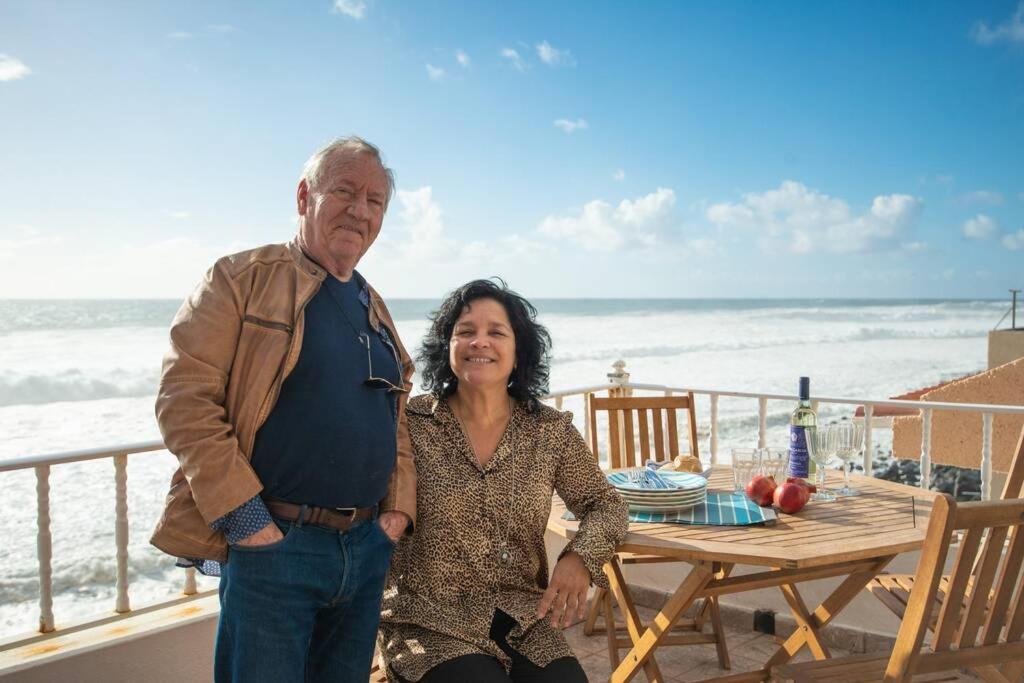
x,y
798,458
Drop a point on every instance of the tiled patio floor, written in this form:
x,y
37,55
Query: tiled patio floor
x,y
748,650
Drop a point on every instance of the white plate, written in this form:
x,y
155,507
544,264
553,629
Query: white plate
x,y
684,481
661,499
663,508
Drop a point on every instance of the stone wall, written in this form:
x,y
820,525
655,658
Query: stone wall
x,y
956,436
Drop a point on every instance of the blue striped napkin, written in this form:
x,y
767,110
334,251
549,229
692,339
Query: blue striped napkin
x,y
721,509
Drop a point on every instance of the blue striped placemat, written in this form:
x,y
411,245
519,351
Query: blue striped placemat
x,y
721,509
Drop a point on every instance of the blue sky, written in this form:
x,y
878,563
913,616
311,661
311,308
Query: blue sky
x,y
712,149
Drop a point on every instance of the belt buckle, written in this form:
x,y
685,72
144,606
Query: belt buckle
x,y
347,512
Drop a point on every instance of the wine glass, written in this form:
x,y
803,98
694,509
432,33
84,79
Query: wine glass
x,y
848,438
744,462
821,448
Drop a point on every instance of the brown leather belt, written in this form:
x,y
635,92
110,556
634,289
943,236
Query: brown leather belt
x,y
341,519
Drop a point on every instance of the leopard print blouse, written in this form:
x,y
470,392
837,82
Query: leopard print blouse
x,y
446,580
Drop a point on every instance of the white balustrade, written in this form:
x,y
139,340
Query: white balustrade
x,y
926,448
762,422
713,439
121,530
618,383
986,456
869,450
44,549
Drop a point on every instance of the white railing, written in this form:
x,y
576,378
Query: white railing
x,y
618,379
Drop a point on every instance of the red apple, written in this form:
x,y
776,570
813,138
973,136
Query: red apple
x,y
760,490
791,497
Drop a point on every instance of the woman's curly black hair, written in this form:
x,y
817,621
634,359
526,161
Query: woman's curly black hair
x,y
529,379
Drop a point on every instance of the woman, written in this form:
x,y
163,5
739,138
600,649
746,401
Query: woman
x,y
468,596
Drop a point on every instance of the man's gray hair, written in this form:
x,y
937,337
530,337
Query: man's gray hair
x,y
316,167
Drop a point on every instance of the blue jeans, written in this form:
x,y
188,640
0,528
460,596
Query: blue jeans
x,y
305,608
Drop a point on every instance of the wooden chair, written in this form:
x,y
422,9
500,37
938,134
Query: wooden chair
x,y
893,590
976,616
639,428
655,417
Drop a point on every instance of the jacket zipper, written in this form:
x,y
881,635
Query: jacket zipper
x,y
261,416
268,323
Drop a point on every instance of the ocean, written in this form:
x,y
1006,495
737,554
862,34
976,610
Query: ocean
x,y
83,374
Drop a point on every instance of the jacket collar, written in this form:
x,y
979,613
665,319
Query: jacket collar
x,y
304,263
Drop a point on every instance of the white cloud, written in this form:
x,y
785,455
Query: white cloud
x,y
179,35
601,227
179,215
353,8
513,57
981,227
571,126
806,220
987,197
12,69
552,56
418,239
435,73
702,246
1014,240
462,58
914,247
1011,30
221,28
618,175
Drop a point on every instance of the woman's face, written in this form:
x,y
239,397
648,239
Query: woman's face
x,y
482,350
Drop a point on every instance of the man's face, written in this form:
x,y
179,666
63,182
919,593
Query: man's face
x,y
341,217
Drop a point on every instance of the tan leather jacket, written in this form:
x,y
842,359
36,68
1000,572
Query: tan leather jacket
x,y
233,342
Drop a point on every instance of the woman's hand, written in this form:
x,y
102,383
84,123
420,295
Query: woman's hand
x,y
566,595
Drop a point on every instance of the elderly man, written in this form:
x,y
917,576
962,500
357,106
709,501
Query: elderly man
x,y
283,396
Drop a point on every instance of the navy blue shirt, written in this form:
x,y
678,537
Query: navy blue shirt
x,y
330,439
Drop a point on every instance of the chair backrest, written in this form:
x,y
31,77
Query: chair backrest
x,y
1014,486
655,425
981,619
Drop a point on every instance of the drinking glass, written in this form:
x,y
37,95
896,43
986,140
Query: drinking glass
x,y
848,437
821,448
744,462
774,462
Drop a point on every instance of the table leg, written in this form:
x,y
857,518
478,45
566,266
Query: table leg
x,y
610,633
823,614
805,621
647,641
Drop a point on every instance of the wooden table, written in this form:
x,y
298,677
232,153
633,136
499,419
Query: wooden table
x,y
854,537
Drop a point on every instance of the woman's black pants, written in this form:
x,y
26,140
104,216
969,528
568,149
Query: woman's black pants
x,y
486,669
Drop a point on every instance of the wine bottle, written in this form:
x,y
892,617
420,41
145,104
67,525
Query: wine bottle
x,y
802,419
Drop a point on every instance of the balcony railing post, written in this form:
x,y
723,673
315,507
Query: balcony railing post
x,y
586,417
713,445
762,422
618,378
121,530
926,448
190,582
986,456
558,403
44,549
869,452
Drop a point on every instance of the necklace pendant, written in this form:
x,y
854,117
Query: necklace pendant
x,y
505,557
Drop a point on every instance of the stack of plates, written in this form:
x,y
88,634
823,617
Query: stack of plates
x,y
688,490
